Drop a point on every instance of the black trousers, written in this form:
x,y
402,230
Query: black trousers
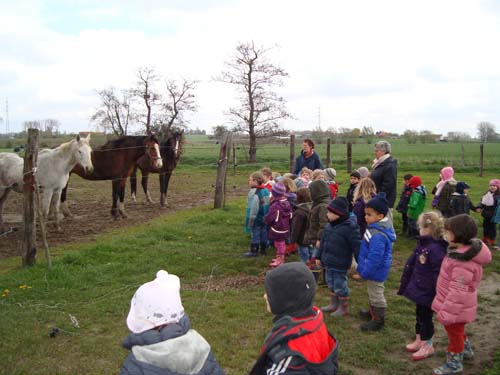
x,y
424,325
489,228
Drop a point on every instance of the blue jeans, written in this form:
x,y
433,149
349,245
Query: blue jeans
x,y
259,235
337,282
305,253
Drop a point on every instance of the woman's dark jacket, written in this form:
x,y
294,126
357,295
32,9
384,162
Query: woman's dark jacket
x,y
312,162
385,178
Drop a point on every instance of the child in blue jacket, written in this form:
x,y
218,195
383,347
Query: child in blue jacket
x,y
257,208
374,260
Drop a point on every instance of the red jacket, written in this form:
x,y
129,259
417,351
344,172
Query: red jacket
x,y
299,346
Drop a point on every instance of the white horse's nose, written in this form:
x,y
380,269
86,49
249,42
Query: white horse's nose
x,y
89,169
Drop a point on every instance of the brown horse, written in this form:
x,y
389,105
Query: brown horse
x,y
116,161
170,149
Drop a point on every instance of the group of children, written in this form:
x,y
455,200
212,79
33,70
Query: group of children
x,y
441,276
450,199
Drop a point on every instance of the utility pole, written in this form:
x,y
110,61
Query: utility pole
x,y
7,130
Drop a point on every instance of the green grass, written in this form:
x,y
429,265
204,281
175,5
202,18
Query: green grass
x,y
94,283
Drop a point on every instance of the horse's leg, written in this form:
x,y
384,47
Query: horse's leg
x,y
133,185
121,191
164,181
115,190
4,193
56,198
144,183
64,204
46,200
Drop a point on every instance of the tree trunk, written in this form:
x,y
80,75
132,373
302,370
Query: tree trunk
x,y
252,153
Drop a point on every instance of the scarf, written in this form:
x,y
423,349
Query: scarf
x,y
377,162
488,199
440,185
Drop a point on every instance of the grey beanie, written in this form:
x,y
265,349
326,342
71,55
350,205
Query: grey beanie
x,y
330,174
290,288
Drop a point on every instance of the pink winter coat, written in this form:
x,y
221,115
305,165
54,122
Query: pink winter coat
x,y
459,278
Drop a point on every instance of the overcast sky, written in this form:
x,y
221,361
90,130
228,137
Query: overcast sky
x,y
392,65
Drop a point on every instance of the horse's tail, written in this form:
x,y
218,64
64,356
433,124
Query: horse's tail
x,y
133,182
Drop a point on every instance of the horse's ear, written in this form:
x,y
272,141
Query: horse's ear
x,y
88,137
78,138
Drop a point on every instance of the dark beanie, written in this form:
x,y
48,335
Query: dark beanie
x,y
339,206
379,203
461,186
290,288
355,174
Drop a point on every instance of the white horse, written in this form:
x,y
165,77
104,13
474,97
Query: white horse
x,y
52,173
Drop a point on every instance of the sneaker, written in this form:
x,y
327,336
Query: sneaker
x,y
426,350
415,345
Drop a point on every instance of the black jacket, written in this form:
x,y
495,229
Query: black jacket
x,y
385,177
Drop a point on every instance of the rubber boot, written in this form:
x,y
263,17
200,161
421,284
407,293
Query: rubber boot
x,y
334,304
378,320
453,365
254,251
343,307
426,350
415,345
366,314
263,249
468,353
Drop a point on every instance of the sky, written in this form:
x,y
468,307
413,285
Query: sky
x,y
392,65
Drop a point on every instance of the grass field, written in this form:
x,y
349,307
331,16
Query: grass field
x,y
88,291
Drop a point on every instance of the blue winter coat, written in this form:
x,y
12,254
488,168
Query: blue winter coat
x,y
312,162
339,243
375,252
173,350
418,281
257,207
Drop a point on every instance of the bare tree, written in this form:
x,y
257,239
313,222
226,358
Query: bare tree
x,y
146,93
162,112
411,136
486,131
261,109
114,112
178,100
33,124
458,137
51,127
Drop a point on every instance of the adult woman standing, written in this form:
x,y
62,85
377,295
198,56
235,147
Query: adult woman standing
x,y
384,171
307,158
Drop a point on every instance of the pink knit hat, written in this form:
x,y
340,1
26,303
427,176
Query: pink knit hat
x,y
495,182
447,173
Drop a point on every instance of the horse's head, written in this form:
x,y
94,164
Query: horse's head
x,y
84,152
153,151
172,146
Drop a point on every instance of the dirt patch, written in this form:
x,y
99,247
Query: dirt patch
x,y
90,203
227,283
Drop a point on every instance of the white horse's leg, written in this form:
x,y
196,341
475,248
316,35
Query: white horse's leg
x,y
3,197
56,200
46,197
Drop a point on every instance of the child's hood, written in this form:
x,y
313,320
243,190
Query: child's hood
x,y
284,205
304,206
319,190
477,252
185,354
385,227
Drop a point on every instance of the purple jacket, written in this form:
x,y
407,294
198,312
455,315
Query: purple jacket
x,y
418,281
278,218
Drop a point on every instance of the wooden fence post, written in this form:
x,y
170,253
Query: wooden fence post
x,y
328,156
481,159
30,162
349,157
292,153
220,183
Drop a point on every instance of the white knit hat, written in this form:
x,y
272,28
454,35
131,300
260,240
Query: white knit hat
x,y
156,303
